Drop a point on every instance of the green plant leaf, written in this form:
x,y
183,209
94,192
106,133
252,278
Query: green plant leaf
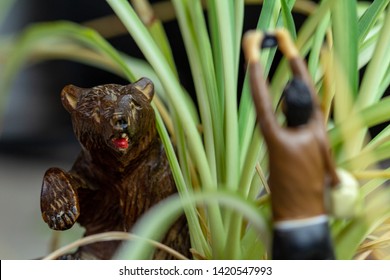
x,y
34,35
197,238
227,24
345,36
372,185
370,116
178,103
317,45
385,82
382,137
366,158
225,18
269,16
377,210
367,48
288,19
377,68
156,29
167,78
238,10
303,43
370,90
155,223
370,17
217,54
194,30
249,139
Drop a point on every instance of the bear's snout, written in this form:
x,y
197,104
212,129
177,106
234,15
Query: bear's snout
x,y
120,124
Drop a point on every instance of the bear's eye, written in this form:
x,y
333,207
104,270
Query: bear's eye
x,y
135,104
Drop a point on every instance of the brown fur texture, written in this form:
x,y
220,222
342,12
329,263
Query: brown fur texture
x,y
120,173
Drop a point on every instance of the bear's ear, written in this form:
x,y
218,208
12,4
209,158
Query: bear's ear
x,y
146,87
69,97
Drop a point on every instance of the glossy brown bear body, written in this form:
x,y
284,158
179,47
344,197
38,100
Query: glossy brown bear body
x,y
120,173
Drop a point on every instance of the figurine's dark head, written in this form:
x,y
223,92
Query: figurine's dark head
x,y
112,118
297,103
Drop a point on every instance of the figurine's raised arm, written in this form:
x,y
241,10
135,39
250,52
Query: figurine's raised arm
x,y
259,86
298,66
299,70
299,162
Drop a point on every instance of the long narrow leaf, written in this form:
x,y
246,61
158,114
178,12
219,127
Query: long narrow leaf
x,y
156,29
198,241
225,21
345,36
303,43
170,83
238,24
288,18
224,18
377,68
34,34
194,30
177,100
318,41
251,150
169,210
377,210
369,18
369,92
372,185
217,54
370,116
366,158
268,19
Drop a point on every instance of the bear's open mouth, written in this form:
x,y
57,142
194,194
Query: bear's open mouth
x,y
121,142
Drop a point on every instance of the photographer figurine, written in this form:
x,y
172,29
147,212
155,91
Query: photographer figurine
x,y
300,165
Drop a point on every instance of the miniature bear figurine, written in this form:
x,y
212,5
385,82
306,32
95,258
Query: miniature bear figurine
x,y
120,173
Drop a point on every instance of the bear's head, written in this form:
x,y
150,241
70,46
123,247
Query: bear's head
x,y
112,120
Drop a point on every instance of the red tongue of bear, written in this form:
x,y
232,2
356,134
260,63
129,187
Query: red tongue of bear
x,y
120,143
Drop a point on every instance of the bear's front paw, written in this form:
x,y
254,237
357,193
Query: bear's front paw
x,y
59,201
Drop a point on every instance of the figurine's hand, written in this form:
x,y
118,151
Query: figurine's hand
x,y
59,201
251,44
285,43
